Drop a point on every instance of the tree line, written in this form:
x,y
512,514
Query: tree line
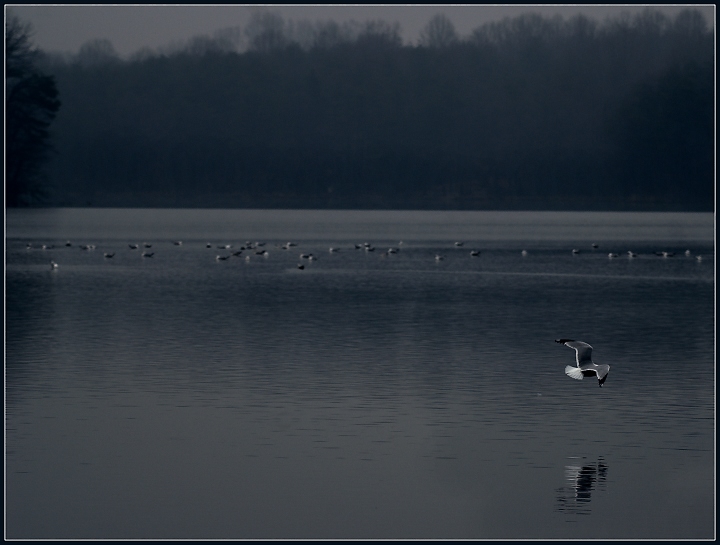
x,y
528,112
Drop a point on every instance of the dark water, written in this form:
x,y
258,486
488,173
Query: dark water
x,y
368,395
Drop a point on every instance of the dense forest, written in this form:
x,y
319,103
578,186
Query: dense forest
x,y
525,113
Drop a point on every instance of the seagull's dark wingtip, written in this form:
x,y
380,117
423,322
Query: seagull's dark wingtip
x,y
563,341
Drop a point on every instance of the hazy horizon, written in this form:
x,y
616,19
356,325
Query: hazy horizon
x,y
63,28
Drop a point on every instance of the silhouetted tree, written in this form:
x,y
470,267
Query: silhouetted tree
x,y
31,103
266,31
439,32
97,52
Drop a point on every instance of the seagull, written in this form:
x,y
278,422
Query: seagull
x,y
109,255
178,243
575,251
631,253
524,253
53,265
475,253
585,366
148,254
133,246
438,257
458,244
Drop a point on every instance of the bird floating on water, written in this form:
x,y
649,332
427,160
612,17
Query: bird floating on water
x,y
148,254
585,366
475,253
109,255
53,265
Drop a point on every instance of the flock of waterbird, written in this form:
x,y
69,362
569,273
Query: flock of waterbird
x,y
584,367
257,248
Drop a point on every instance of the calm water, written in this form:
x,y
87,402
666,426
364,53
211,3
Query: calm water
x,y
368,395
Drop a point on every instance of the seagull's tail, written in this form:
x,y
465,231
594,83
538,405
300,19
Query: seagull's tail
x,y
573,372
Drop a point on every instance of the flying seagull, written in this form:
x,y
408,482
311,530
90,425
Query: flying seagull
x,y
585,366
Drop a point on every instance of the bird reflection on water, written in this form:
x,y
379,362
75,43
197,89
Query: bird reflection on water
x,y
575,498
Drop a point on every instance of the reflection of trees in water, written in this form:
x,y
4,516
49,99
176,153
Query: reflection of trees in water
x,y
581,481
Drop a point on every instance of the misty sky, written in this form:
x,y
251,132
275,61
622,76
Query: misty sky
x,y
65,28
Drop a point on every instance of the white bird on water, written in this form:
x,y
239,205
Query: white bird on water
x,y
585,366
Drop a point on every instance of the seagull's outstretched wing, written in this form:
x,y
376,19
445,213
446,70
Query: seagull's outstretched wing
x,y
602,372
573,372
583,351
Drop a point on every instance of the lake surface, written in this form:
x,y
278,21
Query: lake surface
x,y
368,395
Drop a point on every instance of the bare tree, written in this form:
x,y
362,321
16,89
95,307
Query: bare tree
x,y
97,52
439,32
266,31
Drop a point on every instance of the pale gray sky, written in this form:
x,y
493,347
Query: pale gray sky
x,y
129,28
